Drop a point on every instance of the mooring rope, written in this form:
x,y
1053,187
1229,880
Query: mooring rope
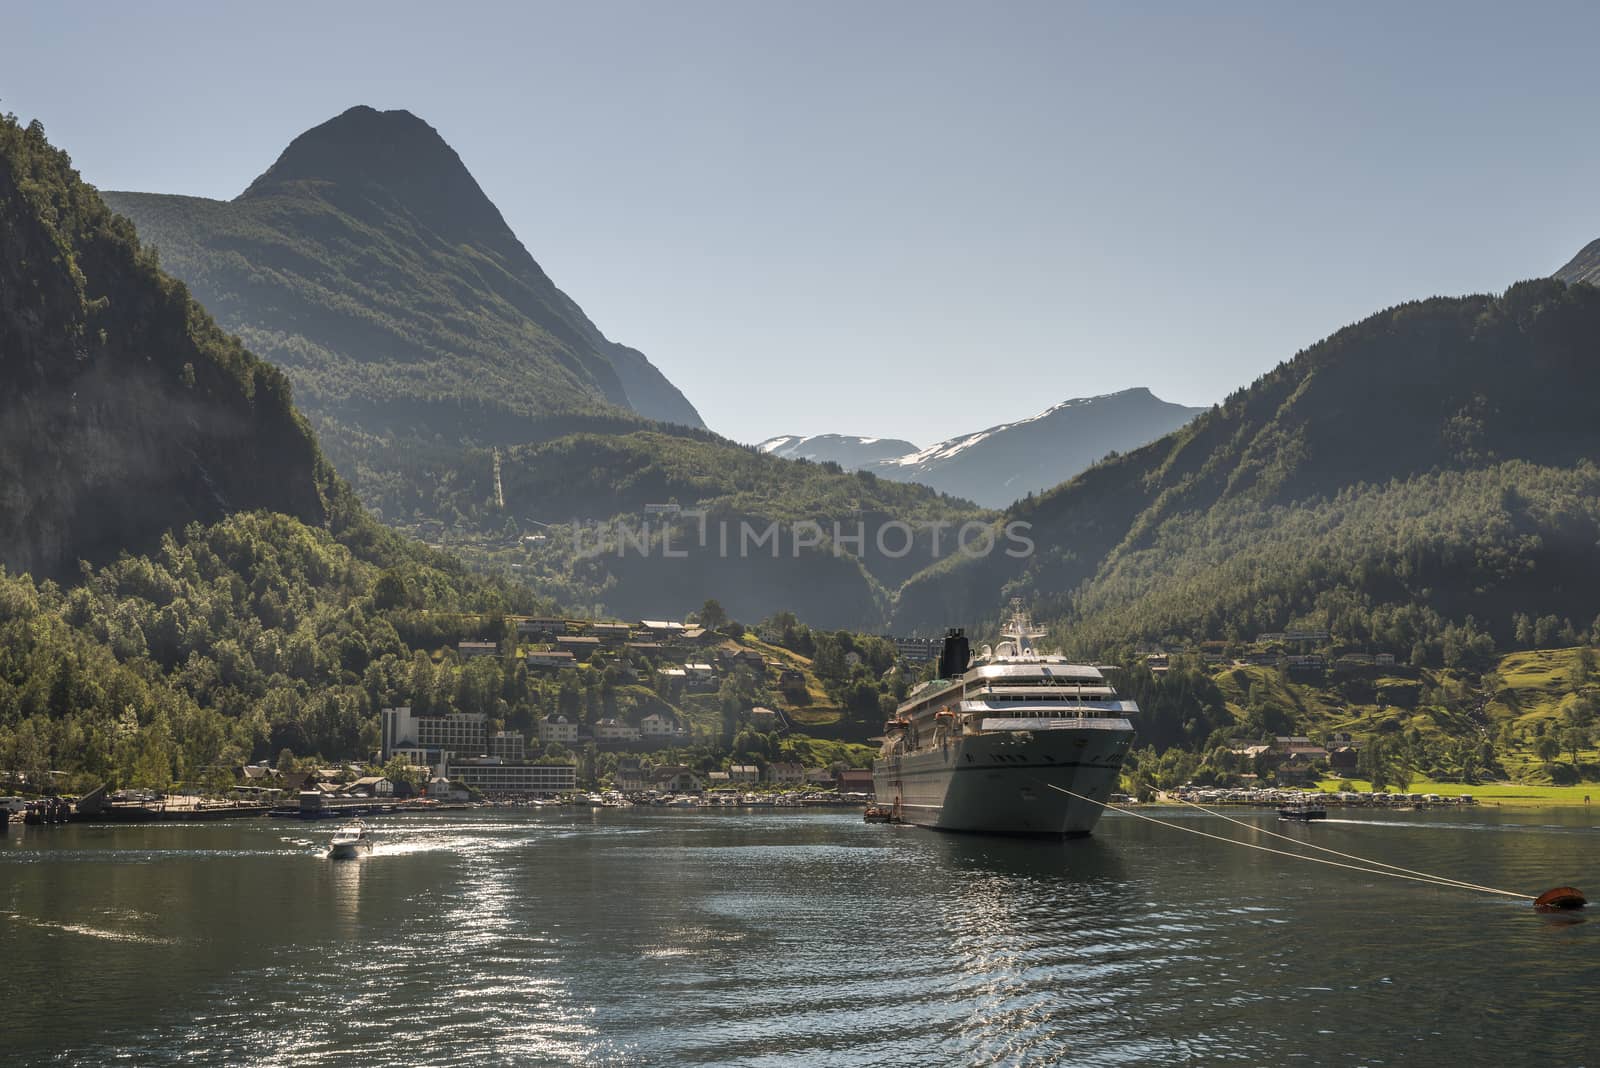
x,y
1432,880
1348,856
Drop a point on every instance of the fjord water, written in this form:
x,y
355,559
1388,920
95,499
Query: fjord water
x,y
657,937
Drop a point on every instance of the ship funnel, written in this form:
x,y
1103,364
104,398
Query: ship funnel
x,y
956,653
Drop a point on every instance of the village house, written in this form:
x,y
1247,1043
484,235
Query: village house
x,y
473,650
763,719
785,773
658,726
748,773
855,781
614,731
661,629
610,633
676,779
819,777
580,646
700,676
369,786
551,659
631,775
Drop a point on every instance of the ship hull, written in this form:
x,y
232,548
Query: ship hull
x,y
1008,782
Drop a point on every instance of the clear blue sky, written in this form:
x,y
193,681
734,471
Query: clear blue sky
x,y
896,218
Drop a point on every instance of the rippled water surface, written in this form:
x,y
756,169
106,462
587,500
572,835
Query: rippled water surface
x,y
689,938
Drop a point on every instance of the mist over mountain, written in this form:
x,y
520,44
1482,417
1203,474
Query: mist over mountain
x,y
367,262
1004,463
126,412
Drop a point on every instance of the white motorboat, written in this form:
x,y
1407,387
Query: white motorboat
x,y
350,841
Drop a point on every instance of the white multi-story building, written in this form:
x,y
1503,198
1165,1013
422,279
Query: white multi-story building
x,y
508,745
557,729
744,773
460,733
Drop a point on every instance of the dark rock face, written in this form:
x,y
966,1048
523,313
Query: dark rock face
x,y
126,412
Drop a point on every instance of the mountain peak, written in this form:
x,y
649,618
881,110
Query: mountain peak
x,y
1584,267
392,155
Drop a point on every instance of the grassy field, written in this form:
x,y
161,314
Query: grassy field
x,y
1509,794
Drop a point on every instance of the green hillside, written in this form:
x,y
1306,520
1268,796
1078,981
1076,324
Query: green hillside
x,y
1427,465
635,564
126,411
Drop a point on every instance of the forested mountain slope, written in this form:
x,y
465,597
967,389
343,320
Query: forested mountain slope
x,y
126,411
1432,462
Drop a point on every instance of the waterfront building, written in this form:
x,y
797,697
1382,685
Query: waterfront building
x,y
744,773
632,774
369,786
490,776
855,781
675,779
785,773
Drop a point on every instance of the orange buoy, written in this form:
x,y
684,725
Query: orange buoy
x,y
1560,899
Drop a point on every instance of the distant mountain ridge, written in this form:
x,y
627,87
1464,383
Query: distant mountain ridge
x,y
846,450
368,263
1004,463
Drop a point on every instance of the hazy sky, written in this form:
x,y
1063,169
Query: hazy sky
x,y
906,219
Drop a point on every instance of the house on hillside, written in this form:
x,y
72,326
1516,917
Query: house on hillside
x,y
580,646
610,633
557,729
614,732
473,650
551,659
660,727
763,719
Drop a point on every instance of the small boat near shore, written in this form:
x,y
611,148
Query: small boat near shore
x,y
350,841
1302,812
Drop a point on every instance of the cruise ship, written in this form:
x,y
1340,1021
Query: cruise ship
x,y
984,746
